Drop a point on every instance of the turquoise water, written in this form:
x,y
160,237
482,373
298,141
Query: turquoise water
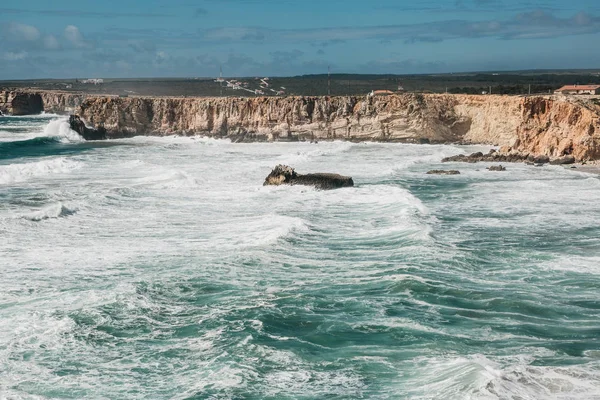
x,y
162,268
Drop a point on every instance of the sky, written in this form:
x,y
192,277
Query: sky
x,y
185,38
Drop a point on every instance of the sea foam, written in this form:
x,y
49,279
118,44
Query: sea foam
x,y
15,173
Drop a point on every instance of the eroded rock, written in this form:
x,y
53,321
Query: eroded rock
x,y
78,126
494,156
26,104
563,160
286,175
443,172
496,168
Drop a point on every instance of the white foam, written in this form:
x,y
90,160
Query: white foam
x,y
173,179
259,231
60,129
15,173
478,377
52,211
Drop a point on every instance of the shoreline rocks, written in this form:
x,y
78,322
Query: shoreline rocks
x,y
78,126
286,175
512,157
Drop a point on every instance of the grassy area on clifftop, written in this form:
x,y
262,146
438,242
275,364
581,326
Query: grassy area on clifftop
x,y
517,82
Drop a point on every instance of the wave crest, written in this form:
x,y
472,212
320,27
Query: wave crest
x,y
52,211
15,173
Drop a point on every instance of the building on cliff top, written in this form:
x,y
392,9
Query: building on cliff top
x,y
579,89
380,93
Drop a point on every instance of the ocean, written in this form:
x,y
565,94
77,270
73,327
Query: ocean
x,y
161,268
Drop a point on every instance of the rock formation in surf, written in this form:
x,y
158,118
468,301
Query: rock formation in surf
x,y
285,175
494,156
443,172
78,126
554,126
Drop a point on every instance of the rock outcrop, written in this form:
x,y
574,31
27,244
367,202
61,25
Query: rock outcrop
x,y
496,168
30,102
285,175
494,156
22,103
78,126
559,126
443,172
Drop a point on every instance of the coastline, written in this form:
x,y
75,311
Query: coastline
x,y
551,125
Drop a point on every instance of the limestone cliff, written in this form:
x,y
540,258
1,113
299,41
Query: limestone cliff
x,y
409,117
550,125
395,118
557,126
28,102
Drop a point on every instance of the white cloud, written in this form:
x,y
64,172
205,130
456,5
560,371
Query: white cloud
x,y
161,57
74,36
14,56
51,43
23,32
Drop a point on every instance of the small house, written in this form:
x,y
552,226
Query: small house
x,y
579,89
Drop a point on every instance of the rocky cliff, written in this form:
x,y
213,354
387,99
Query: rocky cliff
x,y
27,102
550,125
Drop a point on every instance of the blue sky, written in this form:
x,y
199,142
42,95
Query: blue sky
x,y
186,38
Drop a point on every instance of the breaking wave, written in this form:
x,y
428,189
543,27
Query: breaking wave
x,y
58,210
15,173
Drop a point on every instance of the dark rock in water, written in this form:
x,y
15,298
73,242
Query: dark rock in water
x,y
443,172
512,157
78,126
473,158
285,175
496,168
563,160
541,159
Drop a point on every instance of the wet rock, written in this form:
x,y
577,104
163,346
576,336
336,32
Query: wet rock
x,y
541,159
563,160
510,157
78,126
473,158
496,168
286,175
443,172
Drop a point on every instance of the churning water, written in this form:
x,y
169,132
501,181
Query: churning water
x,y
161,268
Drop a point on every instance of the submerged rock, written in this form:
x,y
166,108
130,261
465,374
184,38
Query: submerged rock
x,y
443,172
496,168
78,126
286,175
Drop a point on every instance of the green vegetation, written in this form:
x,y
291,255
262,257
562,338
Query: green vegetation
x,y
514,83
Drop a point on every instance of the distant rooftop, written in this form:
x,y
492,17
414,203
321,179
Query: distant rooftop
x,y
579,87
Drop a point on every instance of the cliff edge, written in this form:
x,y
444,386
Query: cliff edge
x,y
548,125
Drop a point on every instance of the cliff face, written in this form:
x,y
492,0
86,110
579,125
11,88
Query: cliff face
x,y
409,117
394,118
28,102
559,126
21,103
550,125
